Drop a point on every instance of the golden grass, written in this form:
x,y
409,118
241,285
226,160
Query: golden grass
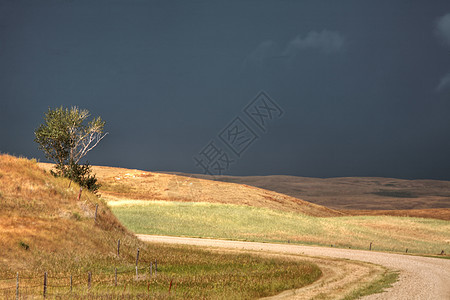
x,y
40,211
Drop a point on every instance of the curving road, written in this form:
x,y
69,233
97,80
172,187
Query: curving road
x,y
420,277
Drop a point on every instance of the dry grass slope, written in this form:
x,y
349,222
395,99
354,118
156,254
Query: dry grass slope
x,y
42,223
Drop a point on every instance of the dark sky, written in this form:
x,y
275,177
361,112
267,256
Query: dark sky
x,y
362,87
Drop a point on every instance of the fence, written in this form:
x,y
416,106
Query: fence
x,y
59,286
80,284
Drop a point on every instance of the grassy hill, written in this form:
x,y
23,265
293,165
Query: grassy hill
x,y
44,227
42,221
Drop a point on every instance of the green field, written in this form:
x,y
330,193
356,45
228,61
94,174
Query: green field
x,y
420,236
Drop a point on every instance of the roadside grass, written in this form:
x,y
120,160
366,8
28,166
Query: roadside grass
x,y
385,281
438,256
183,272
225,221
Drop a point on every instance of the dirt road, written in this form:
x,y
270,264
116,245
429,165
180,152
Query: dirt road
x,y
420,277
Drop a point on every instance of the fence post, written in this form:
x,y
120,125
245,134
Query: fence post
x,y
45,284
17,286
118,247
136,273
370,247
89,280
79,194
71,283
96,208
137,257
115,277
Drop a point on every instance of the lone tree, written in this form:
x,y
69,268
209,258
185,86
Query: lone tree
x,y
65,139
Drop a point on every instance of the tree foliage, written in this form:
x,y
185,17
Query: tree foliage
x,y
80,174
66,136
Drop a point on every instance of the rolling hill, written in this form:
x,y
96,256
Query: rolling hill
x,y
43,223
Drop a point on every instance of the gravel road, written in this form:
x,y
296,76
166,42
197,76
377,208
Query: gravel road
x,y
420,277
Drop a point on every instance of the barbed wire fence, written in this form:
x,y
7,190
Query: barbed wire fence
x,y
16,287
79,285
55,286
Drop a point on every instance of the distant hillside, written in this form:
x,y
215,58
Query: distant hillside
x,y
119,183
43,225
362,193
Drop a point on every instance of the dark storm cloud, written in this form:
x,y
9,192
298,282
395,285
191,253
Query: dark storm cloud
x,y
364,85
